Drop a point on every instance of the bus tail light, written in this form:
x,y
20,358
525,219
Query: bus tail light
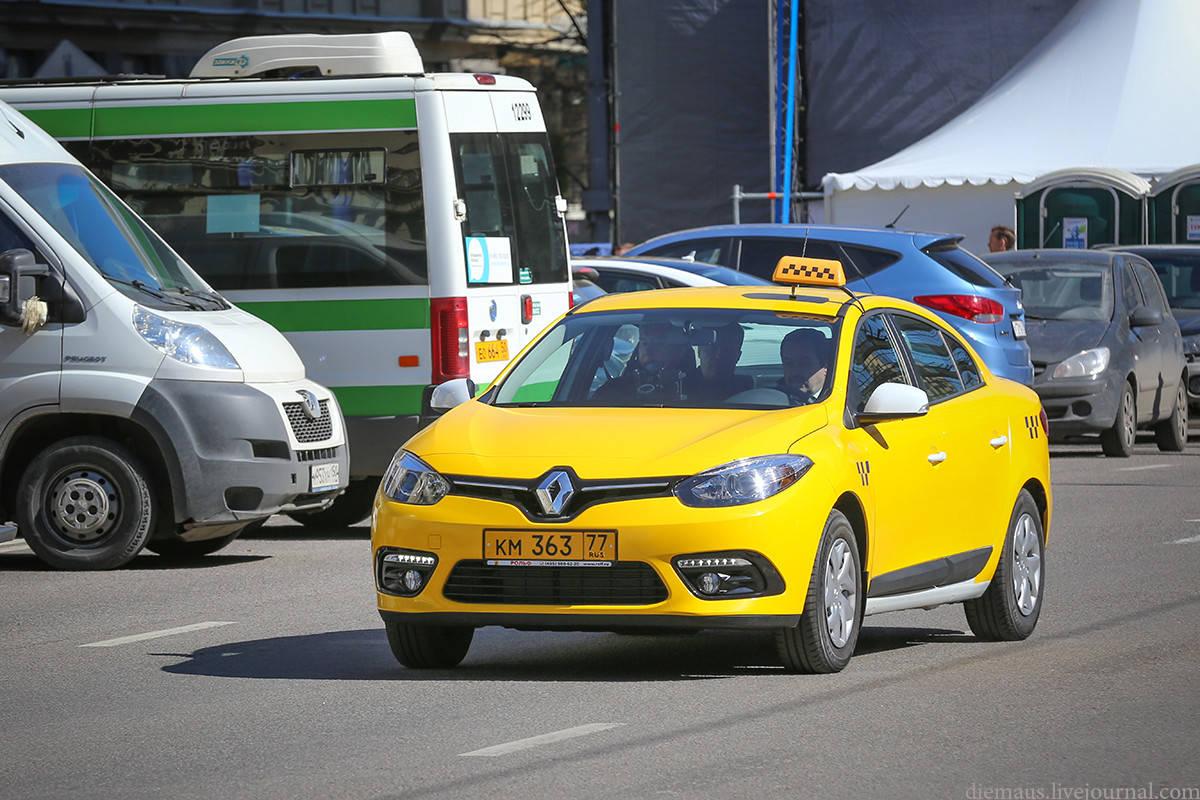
x,y
526,309
450,339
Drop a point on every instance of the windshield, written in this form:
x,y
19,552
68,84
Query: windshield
x,y
1180,276
514,234
678,358
1064,291
107,234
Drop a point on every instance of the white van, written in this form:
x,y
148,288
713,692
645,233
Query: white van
x,y
400,228
137,407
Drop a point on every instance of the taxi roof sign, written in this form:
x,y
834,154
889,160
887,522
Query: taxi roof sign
x,y
803,271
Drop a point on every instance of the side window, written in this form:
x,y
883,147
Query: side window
x,y
13,238
935,368
616,281
1133,297
707,251
1151,288
965,265
874,362
760,254
866,262
968,370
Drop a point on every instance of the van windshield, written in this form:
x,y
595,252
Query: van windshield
x,y
109,236
514,234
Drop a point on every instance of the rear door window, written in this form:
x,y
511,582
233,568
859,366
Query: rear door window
x,y
968,370
935,367
707,251
760,254
867,261
966,266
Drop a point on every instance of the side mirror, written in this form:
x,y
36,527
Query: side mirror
x,y
451,393
1145,317
19,272
893,401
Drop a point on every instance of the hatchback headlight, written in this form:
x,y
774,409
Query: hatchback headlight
x,y
181,341
1083,365
739,482
410,480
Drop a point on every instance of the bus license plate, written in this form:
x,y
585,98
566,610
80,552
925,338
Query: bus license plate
x,y
323,477
491,351
550,548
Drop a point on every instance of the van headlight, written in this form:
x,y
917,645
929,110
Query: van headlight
x,y
181,341
739,482
1083,365
410,480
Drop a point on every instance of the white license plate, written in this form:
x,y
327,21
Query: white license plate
x,y
323,477
1019,328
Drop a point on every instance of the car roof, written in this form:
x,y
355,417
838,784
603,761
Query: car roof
x,y
701,271
1154,249
1050,255
646,267
879,237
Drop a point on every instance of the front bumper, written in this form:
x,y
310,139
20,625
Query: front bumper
x,y
1076,406
650,531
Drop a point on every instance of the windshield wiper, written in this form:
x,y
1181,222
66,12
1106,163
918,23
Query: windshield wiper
x,y
212,297
176,300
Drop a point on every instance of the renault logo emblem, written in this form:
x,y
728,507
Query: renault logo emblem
x,y
554,492
310,405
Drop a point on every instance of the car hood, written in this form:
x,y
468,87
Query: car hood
x,y
484,440
1052,340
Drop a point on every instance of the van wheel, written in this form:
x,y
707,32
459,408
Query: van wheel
x,y
1172,433
1118,440
833,610
352,507
429,646
177,549
1008,611
85,503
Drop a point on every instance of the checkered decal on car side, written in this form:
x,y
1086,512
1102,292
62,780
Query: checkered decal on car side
x,y
864,472
1034,426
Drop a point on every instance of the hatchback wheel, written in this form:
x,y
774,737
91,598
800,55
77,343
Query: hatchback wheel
x,y
429,646
828,630
1008,611
1172,433
1118,440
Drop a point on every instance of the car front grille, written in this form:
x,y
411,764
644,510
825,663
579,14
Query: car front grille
x,y
320,454
309,430
632,583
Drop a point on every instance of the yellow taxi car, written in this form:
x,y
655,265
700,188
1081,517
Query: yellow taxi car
x,y
783,458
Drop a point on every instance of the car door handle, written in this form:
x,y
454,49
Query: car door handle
x,y
938,457
998,442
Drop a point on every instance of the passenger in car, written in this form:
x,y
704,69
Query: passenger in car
x,y
806,356
663,370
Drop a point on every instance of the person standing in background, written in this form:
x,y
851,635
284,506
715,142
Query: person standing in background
x,y
1001,239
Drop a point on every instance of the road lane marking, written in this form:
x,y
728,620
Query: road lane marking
x,y
141,637
1187,539
545,738
1145,466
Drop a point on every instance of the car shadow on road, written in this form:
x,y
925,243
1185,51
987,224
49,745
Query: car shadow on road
x,y
28,562
363,655
296,532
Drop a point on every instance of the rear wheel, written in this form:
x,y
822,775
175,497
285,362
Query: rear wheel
x,y
1118,440
429,646
1008,611
1172,433
828,630
350,508
85,503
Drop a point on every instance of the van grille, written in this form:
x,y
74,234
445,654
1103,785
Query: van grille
x,y
321,454
309,430
630,583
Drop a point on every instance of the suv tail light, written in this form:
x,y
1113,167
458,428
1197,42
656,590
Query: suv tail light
x,y
967,306
450,339
526,309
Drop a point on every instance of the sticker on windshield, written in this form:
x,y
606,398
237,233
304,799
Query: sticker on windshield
x,y
489,259
232,213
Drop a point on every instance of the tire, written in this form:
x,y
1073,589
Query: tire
x,y
1118,440
1172,433
352,507
177,549
110,530
429,646
810,647
1002,613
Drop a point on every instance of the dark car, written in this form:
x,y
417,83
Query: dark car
x,y
1107,354
1178,267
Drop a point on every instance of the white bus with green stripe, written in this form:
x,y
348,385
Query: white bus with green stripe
x,y
401,229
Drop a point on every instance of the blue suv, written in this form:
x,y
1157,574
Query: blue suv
x,y
929,269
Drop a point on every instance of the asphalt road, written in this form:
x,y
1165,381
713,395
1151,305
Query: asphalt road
x,y
299,696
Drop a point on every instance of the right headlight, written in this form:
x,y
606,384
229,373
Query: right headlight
x,y
1083,365
739,482
181,341
410,480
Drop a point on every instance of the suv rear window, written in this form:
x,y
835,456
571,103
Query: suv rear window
x,y
966,266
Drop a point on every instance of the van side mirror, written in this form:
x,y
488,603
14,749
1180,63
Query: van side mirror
x,y
451,393
19,272
1145,317
893,401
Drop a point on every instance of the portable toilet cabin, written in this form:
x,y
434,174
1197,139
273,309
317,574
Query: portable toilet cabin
x,y
1082,207
1174,207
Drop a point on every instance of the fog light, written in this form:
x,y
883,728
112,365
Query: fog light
x,y
404,572
413,580
709,583
727,575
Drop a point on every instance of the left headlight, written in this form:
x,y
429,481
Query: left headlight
x,y
190,344
739,482
410,480
1083,365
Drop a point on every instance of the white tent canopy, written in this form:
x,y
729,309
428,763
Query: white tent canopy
x,y
1111,87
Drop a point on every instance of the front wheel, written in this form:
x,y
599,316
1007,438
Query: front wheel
x,y
1172,433
429,646
85,503
828,630
1008,611
1118,440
